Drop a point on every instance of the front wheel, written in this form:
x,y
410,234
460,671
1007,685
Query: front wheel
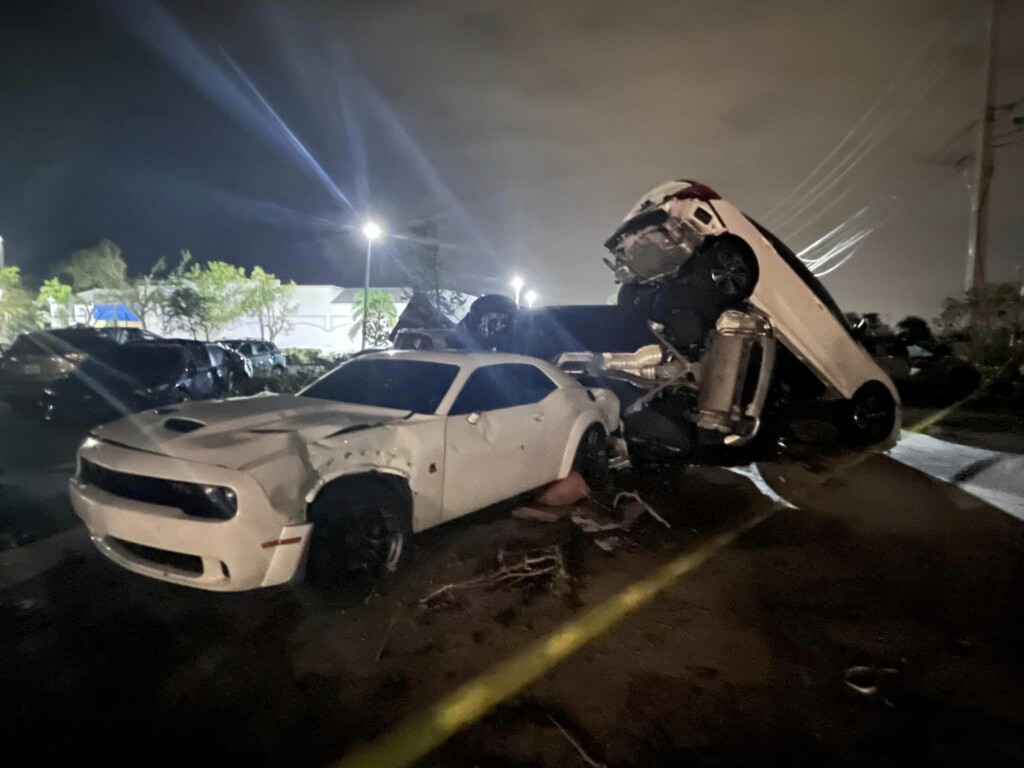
x,y
592,458
870,415
731,268
360,527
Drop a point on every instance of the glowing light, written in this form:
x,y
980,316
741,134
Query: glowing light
x,y
372,230
517,284
531,297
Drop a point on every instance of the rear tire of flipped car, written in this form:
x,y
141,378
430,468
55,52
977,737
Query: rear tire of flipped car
x,y
869,416
593,458
360,528
731,268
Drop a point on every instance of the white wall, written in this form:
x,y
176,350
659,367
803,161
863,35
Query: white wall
x,y
323,321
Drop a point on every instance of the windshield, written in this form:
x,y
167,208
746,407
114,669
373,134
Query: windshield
x,y
405,385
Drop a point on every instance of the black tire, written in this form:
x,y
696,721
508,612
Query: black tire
x,y
277,371
869,416
592,458
360,528
731,268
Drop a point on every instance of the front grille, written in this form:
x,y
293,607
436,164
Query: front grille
x,y
190,498
162,557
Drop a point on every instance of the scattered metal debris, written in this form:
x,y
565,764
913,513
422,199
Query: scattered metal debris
x,y
609,543
576,745
589,521
635,498
866,680
546,562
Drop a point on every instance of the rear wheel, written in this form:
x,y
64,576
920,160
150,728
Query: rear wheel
x,y
870,415
360,527
277,371
592,458
731,267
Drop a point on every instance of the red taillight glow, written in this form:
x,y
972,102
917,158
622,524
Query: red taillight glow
x,y
696,191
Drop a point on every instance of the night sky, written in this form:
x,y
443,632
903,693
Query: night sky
x,y
261,133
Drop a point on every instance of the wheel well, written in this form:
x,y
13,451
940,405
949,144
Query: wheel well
x,y
399,486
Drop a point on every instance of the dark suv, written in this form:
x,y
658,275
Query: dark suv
x,y
266,358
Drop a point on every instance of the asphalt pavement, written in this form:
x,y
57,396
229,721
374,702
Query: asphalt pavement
x,y
877,621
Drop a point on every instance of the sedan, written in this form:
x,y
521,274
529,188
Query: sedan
x,y
239,494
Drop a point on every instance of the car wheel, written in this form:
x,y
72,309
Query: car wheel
x,y
277,371
360,527
731,268
870,415
592,458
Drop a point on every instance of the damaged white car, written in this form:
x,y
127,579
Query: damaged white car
x,y
255,492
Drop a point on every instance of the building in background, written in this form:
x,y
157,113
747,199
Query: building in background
x,y
324,319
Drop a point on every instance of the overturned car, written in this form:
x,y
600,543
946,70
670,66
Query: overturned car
x,y
721,338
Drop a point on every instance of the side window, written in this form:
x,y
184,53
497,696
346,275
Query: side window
x,y
249,349
216,355
502,386
147,336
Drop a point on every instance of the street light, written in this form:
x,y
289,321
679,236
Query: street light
x,y
371,231
531,296
517,286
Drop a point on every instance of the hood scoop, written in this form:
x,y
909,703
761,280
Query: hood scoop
x,y
183,426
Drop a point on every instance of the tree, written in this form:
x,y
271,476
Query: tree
x,y
267,299
147,294
57,298
100,269
990,317
17,310
381,316
429,272
915,330
187,310
206,298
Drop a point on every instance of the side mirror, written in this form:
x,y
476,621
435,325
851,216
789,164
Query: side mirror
x,y
473,418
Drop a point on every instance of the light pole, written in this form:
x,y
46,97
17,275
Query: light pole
x,y
517,285
531,296
371,231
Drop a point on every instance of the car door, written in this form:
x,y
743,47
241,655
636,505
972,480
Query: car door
x,y
502,435
202,385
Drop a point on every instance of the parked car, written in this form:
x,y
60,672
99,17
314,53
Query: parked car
x,y
266,358
35,360
234,495
926,371
126,379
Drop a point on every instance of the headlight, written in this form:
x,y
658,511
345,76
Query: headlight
x,y
89,442
223,500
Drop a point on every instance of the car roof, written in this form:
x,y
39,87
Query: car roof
x,y
463,359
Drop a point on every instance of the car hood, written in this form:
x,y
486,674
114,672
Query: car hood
x,y
245,431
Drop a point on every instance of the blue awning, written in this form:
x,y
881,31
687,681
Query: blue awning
x,y
113,313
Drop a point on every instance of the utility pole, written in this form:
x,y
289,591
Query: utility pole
x,y
977,244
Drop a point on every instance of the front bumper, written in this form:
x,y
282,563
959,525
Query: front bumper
x,y
255,548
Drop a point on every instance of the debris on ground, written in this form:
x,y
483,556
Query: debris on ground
x,y
543,564
576,745
538,514
867,681
592,521
609,543
632,511
562,493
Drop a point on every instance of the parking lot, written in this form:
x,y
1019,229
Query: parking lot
x,y
879,566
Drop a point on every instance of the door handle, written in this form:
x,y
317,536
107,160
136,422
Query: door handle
x,y
538,417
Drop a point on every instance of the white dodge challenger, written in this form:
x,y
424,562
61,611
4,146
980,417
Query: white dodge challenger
x,y
249,493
